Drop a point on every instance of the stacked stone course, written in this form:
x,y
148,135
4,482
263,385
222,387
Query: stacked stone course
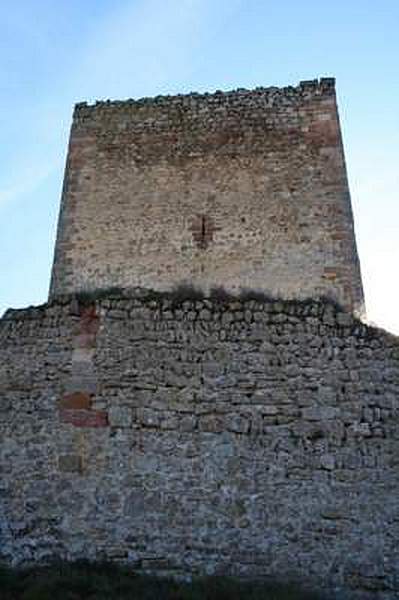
x,y
243,437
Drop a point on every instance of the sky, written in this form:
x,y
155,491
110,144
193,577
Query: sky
x,y
54,54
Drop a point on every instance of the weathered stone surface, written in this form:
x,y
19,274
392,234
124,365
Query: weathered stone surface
x,y
269,451
70,463
120,416
245,189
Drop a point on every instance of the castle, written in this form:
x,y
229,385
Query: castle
x,y
251,432
246,189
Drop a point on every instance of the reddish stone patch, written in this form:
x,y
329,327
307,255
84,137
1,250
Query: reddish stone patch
x,y
87,327
89,320
77,401
339,236
330,274
323,133
334,272
84,418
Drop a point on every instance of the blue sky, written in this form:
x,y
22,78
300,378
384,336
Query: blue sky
x,y
53,54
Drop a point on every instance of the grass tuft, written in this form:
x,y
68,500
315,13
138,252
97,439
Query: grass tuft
x,y
184,292
89,297
83,580
259,296
221,295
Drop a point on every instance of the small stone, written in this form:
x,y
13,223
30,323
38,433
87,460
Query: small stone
x,y
70,463
188,423
205,315
344,319
211,423
120,416
238,424
327,461
320,413
269,409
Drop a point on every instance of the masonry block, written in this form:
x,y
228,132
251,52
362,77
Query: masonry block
x,y
84,418
70,463
76,400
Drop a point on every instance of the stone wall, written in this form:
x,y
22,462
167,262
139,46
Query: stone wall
x,y
245,189
243,437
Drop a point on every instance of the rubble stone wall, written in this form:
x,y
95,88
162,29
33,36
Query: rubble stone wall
x,y
244,189
242,437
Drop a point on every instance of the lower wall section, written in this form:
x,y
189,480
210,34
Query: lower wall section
x,y
249,438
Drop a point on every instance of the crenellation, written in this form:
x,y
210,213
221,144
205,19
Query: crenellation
x,y
323,87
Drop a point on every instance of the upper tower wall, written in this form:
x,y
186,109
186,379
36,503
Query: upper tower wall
x,y
239,189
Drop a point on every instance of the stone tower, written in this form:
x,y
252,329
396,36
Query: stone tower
x,y
245,189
